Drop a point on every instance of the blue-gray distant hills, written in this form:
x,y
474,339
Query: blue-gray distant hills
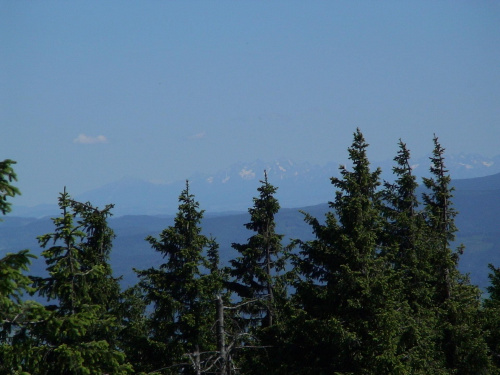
x,y
231,189
476,199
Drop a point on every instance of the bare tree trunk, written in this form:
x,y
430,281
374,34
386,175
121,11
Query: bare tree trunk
x,y
270,303
197,360
221,336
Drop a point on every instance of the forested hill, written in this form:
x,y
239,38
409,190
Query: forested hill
x,y
230,189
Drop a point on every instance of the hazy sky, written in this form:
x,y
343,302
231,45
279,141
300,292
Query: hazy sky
x,y
91,91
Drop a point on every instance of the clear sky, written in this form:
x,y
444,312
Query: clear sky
x,y
92,91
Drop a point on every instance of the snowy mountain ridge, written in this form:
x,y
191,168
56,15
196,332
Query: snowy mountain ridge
x,y
232,188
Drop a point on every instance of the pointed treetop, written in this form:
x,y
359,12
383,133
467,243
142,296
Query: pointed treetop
x,y
7,175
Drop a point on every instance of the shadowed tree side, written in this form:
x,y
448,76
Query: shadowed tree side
x,y
260,259
460,338
182,294
492,315
405,244
258,281
349,316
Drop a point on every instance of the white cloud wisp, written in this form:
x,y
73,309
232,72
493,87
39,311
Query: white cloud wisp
x,y
85,139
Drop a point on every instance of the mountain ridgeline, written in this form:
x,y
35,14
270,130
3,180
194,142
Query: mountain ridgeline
x,y
228,190
373,282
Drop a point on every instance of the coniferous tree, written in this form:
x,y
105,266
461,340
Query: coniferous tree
x,y
351,320
227,333
79,336
459,336
133,336
405,245
260,258
16,313
492,316
258,281
95,251
7,176
12,281
182,294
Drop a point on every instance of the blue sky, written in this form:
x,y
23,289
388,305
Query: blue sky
x,y
92,91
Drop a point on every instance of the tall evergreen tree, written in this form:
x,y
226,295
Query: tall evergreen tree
x,y
405,245
95,250
457,302
345,291
260,258
258,281
401,210
79,335
182,294
12,281
16,313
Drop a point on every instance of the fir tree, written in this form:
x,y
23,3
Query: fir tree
x,y
16,313
406,248
258,281
459,336
492,315
7,176
182,295
346,292
260,258
133,336
79,335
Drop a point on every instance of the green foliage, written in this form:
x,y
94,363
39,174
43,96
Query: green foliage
x,y
7,175
261,258
492,315
405,245
16,314
133,337
377,291
459,336
79,335
494,288
257,279
182,294
13,282
346,284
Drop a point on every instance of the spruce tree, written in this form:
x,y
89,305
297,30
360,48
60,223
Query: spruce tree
x,y
95,251
258,281
351,320
459,336
255,270
492,316
79,335
7,176
182,294
16,313
133,336
406,248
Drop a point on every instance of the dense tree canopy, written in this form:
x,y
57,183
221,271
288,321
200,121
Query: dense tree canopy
x,y
260,258
376,291
182,293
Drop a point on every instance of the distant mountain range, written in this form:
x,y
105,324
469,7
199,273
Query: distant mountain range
x,y
477,200
232,189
